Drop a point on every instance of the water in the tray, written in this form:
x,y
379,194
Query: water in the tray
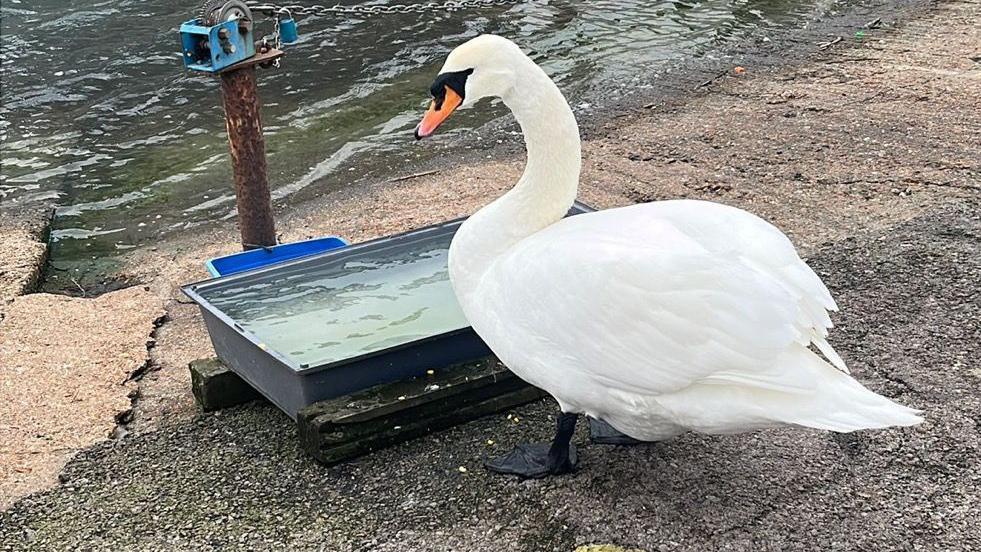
x,y
331,313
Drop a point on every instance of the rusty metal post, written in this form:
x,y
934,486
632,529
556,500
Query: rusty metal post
x,y
240,93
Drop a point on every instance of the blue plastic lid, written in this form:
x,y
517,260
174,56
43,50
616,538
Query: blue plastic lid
x,y
261,258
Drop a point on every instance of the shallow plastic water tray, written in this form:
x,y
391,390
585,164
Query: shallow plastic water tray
x,y
291,385
256,258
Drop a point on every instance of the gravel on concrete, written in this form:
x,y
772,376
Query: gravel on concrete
x,y
909,328
23,250
66,379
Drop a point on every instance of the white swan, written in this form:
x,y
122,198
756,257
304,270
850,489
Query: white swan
x,y
657,318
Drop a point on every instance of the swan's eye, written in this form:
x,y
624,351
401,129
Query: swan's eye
x,y
447,91
455,80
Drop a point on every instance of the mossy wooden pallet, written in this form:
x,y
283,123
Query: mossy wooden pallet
x,y
352,425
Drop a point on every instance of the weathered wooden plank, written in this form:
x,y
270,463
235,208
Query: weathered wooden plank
x,y
339,429
215,386
383,400
389,435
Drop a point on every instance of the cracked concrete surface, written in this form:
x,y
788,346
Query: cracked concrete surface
x,y
66,379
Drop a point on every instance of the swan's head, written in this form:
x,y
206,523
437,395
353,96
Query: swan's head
x,y
485,66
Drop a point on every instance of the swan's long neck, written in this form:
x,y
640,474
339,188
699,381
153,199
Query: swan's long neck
x,y
549,184
546,190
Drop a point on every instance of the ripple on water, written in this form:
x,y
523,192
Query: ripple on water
x,y
99,115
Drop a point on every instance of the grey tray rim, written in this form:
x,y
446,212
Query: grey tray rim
x,y
192,292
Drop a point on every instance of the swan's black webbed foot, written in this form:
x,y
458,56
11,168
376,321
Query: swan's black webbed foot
x,y
603,433
536,460
532,460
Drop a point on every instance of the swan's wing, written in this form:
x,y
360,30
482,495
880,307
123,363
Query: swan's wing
x,y
729,232
663,298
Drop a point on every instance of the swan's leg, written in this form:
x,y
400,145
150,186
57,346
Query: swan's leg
x,y
562,454
603,433
541,459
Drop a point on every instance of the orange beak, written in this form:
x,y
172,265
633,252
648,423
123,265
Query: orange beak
x,y
436,115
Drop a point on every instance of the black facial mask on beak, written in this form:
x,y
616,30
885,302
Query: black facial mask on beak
x,y
457,81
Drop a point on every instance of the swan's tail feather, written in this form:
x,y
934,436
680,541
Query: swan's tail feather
x,y
833,401
830,354
843,404
893,415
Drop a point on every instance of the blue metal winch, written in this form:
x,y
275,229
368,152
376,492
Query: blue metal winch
x,y
220,37
223,35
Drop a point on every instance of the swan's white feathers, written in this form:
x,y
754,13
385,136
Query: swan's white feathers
x,y
657,318
693,314
760,245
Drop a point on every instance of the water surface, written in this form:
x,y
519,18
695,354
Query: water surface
x,y
336,311
99,117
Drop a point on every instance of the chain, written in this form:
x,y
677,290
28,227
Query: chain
x,y
279,38
449,6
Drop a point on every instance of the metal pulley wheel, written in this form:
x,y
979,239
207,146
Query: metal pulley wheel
x,y
214,12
